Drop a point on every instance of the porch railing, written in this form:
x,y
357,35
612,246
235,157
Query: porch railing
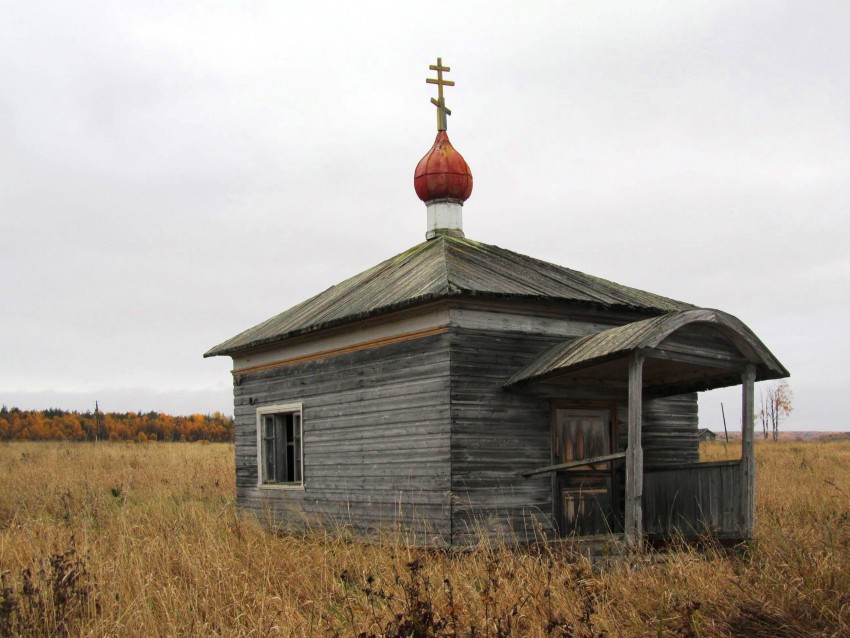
x,y
694,499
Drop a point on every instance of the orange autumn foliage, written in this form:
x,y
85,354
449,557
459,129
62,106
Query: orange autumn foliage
x,y
61,425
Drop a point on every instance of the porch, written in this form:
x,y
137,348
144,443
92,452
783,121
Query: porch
x,y
685,351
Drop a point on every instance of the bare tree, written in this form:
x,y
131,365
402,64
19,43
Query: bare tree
x,y
764,413
776,404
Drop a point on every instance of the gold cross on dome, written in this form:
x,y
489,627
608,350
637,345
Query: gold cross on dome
x,y
440,102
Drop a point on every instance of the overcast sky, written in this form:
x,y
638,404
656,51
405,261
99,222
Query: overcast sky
x,y
173,173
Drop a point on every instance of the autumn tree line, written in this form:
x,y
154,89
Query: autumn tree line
x,y
63,425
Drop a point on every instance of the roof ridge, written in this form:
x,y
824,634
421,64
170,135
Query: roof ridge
x,y
449,287
584,287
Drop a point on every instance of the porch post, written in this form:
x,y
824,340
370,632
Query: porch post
x,y
748,458
634,453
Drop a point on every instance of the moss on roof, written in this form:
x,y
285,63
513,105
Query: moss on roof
x,y
441,268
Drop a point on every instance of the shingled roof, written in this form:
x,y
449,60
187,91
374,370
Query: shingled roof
x,y
441,268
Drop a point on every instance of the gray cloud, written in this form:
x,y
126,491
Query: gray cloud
x,y
173,173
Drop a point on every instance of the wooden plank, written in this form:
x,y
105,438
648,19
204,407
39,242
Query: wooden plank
x,y
575,464
402,322
390,423
518,318
402,456
633,528
324,354
330,380
324,396
582,317
430,488
688,466
346,508
427,348
389,444
697,357
352,493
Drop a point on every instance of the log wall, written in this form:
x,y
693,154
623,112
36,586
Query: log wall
x,y
670,432
422,433
498,435
376,435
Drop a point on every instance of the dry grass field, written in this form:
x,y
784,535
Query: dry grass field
x,y
144,540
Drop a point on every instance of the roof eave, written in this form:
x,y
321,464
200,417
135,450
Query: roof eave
x,y
222,350
452,293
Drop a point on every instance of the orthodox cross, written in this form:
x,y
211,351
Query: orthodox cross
x,y
440,102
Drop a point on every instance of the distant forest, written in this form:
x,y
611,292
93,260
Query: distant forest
x,y
62,425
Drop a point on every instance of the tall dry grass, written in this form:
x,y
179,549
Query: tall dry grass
x,y
144,540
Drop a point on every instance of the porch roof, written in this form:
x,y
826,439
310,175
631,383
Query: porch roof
x,y
678,366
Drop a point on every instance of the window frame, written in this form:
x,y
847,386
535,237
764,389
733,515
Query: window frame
x,y
280,408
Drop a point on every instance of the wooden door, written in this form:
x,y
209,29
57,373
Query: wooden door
x,y
584,501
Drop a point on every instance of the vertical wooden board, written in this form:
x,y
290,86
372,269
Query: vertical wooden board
x,y
748,458
702,499
633,526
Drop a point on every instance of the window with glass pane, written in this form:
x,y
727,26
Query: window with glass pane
x,y
280,447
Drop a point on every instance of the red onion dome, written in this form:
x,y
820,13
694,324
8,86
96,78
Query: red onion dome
x,y
443,173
